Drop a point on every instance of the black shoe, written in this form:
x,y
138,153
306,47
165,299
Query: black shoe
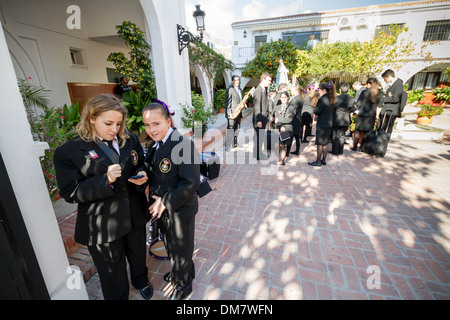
x,y
147,291
323,162
315,164
296,153
353,149
305,141
181,295
168,277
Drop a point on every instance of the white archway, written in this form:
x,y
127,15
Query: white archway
x,y
171,69
413,67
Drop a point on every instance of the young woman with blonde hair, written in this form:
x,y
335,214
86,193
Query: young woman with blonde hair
x,y
102,170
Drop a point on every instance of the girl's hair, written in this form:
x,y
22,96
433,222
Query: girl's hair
x,y
374,89
313,95
331,91
299,90
285,93
95,107
163,108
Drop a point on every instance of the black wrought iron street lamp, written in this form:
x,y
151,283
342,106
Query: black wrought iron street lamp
x,y
185,37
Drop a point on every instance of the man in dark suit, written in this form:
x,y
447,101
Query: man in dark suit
x,y
344,105
233,97
260,114
391,102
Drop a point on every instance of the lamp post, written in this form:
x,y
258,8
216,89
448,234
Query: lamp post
x,y
185,37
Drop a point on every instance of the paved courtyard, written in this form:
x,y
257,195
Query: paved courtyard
x,y
359,228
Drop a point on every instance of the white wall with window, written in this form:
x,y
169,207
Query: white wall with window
x,y
425,20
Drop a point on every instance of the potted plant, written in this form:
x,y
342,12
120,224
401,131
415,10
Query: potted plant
x,y
197,115
219,100
427,111
414,96
442,94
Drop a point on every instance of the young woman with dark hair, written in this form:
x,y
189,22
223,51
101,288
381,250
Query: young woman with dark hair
x,y
173,163
324,112
367,104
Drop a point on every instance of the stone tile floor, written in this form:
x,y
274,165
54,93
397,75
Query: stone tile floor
x,y
359,228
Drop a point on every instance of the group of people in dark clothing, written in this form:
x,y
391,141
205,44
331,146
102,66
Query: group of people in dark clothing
x,y
293,114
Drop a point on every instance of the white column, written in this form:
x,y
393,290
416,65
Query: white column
x,y
171,69
21,156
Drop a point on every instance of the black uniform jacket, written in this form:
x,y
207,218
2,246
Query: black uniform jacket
x,y
367,108
232,99
105,213
392,100
175,175
324,112
284,117
260,106
297,104
344,105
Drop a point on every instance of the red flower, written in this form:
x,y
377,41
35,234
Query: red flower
x,y
195,111
50,176
63,117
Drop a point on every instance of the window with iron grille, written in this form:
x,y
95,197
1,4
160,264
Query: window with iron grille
x,y
387,28
437,30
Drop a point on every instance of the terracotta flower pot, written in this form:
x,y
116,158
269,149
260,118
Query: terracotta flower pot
x,y
423,120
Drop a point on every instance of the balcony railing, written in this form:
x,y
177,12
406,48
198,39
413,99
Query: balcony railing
x,y
247,52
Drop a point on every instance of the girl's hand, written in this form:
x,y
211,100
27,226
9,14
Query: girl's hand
x,y
157,208
139,181
114,172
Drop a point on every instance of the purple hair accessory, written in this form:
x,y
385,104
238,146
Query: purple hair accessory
x,y
165,106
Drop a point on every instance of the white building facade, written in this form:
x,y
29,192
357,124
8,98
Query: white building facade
x,y
425,20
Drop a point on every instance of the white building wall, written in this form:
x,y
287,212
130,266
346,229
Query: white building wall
x,y
414,15
39,40
21,156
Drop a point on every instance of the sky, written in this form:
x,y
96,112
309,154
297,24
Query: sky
x,y
220,14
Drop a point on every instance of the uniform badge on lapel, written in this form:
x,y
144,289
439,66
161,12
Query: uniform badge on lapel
x,y
134,157
165,165
93,154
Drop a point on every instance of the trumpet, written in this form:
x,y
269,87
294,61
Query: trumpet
x,y
241,104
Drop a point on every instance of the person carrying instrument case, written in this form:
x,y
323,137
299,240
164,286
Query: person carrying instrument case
x,y
376,141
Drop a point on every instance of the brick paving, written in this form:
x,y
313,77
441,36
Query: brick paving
x,y
302,232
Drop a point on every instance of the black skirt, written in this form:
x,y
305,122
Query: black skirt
x,y
322,136
364,123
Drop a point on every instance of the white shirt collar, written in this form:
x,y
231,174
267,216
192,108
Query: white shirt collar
x,y
156,145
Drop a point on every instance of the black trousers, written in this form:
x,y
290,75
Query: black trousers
x,y
232,131
306,125
259,137
337,145
178,237
110,261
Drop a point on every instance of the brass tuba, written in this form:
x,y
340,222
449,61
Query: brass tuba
x,y
241,104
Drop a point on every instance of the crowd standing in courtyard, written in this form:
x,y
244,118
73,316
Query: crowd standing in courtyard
x,y
292,110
